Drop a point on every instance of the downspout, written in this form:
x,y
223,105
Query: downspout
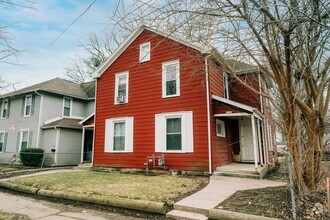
x,y
40,117
261,100
94,124
208,112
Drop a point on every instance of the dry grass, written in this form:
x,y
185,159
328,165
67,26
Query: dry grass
x,y
12,216
155,188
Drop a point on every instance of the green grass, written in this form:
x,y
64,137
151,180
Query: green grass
x,y
155,188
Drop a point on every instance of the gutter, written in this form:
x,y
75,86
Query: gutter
x,y
208,112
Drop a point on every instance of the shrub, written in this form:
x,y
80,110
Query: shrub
x,y
31,157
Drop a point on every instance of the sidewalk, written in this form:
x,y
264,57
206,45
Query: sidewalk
x,y
219,189
43,210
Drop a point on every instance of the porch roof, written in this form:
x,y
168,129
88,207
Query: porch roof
x,y
63,123
87,119
244,107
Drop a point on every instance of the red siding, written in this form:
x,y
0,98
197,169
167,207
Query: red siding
x,y
145,100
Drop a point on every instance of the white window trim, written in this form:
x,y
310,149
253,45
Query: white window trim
x,y
187,133
25,105
117,76
71,105
222,124
21,139
225,86
3,142
2,108
177,62
146,57
109,135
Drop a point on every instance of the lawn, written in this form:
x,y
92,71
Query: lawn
x,y
162,188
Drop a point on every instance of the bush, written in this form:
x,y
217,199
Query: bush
x,y
31,157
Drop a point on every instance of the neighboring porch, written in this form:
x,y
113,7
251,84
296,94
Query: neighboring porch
x,y
247,138
87,140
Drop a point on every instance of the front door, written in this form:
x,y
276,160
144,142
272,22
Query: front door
x,y
88,146
247,154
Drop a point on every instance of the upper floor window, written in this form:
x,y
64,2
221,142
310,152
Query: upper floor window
x,y
67,107
28,106
225,86
144,52
121,88
171,79
119,135
5,107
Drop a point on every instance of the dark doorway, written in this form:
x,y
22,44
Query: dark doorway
x,y
88,145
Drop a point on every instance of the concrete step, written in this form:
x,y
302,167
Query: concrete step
x,y
183,215
84,166
191,209
236,174
221,169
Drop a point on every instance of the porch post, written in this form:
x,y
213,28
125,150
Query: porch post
x,y
254,142
264,141
82,145
259,143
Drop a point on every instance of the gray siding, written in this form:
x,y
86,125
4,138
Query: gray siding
x,y
90,105
69,147
49,143
15,123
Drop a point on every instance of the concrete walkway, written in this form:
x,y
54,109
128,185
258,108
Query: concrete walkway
x,y
44,210
220,188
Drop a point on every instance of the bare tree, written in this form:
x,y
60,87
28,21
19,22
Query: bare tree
x,y
287,39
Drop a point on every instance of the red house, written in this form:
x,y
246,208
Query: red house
x,y
160,95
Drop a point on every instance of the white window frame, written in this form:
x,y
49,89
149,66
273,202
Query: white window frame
x,y
117,76
26,104
71,104
223,128
21,139
109,134
187,133
225,86
3,108
145,57
176,62
3,141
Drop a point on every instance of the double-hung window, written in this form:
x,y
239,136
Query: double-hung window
x,y
24,139
28,106
225,86
2,141
174,132
4,109
171,79
145,52
119,135
67,107
121,88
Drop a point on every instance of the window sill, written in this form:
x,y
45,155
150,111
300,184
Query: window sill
x,y
26,116
223,136
144,61
173,152
171,96
121,103
116,152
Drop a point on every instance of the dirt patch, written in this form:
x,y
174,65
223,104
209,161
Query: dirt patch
x,y
276,201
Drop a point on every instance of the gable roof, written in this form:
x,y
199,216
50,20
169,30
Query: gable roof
x,y
201,48
59,86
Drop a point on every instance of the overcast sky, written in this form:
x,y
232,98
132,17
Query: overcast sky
x,y
34,30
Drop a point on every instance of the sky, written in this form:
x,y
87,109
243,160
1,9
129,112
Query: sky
x,y
33,31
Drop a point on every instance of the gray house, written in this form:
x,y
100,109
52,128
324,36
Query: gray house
x,y
47,115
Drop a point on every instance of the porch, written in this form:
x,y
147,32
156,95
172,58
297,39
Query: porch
x,y
244,170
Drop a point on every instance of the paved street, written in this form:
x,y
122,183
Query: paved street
x,y
44,210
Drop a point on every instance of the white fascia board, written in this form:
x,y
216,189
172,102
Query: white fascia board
x,y
233,103
130,40
87,118
233,115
